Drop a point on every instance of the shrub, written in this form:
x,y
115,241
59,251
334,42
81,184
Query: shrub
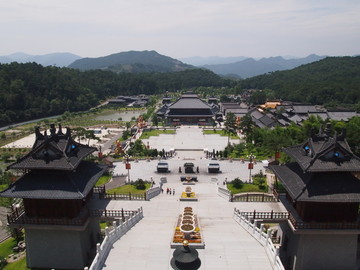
x,y
237,183
140,184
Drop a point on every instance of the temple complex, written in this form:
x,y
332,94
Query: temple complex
x,y
188,110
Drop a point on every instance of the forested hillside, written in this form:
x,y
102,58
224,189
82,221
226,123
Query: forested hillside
x,y
334,80
133,62
30,91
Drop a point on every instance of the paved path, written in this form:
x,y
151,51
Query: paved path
x,y
228,246
189,137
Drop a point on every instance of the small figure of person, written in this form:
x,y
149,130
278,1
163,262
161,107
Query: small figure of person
x,y
173,191
170,191
162,191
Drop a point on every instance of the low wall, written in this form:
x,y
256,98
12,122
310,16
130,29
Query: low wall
x,y
263,238
103,249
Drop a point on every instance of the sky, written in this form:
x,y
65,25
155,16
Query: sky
x,y
181,28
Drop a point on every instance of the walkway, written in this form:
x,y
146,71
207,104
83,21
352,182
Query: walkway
x,y
227,245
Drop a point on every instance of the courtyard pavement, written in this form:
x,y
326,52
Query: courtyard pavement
x,y
227,244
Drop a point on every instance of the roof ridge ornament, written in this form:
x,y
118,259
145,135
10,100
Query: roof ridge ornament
x,y
38,133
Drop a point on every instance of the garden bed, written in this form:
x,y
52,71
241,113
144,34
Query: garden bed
x,y
194,238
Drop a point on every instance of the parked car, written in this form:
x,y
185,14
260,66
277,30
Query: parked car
x,y
162,166
189,167
213,167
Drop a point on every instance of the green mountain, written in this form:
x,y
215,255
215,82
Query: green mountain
x,y
333,80
133,62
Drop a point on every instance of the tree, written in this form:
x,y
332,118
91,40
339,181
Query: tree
x,y
127,125
155,120
247,126
230,125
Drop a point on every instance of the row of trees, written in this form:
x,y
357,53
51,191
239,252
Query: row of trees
x,y
265,142
30,91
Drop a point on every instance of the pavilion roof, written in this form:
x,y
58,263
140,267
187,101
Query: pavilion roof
x,y
323,153
56,151
319,187
50,184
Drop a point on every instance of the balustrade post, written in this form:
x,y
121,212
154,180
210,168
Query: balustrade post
x,y
115,227
276,254
122,214
130,196
86,268
107,231
98,248
268,236
261,230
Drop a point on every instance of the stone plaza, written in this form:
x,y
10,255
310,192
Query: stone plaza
x,y
227,244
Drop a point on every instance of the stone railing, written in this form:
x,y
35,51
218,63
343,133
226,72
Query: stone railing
x,y
103,249
225,193
146,196
263,238
152,192
254,197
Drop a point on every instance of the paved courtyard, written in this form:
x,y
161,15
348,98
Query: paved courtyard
x,y
227,245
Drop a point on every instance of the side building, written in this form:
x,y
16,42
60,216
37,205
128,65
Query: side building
x,y
55,188
322,196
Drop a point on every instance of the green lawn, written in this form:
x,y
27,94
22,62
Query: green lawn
x,y
220,132
18,265
156,132
245,188
103,180
7,246
128,189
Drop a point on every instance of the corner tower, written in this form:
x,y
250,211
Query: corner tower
x,y
322,197
55,188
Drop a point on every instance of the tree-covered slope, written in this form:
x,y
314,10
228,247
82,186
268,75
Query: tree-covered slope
x,y
30,91
132,61
331,80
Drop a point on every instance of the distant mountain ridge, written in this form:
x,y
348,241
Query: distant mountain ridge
x,y
51,59
250,67
132,61
211,60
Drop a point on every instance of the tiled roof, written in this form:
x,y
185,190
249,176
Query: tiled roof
x,y
322,153
341,116
318,187
304,108
51,184
189,102
56,151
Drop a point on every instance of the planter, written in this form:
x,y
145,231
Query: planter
x,y
187,228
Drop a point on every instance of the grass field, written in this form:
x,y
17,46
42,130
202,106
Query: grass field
x,y
219,132
245,188
156,132
128,189
103,180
